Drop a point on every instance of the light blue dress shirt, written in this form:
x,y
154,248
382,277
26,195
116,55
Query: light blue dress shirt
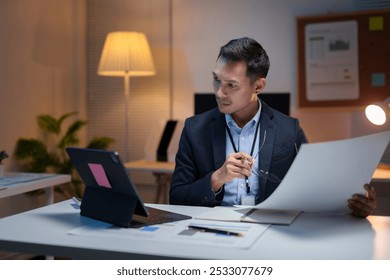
x,y
243,140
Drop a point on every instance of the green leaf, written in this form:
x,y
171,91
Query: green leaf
x,y
26,148
65,116
49,124
33,155
100,143
76,126
70,138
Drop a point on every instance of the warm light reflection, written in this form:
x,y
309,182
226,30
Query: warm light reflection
x,y
375,114
381,226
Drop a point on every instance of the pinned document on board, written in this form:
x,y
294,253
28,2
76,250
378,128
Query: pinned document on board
x,y
325,175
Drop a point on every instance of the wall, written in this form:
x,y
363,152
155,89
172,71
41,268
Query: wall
x,y
42,72
42,64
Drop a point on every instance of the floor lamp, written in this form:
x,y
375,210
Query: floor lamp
x,y
126,54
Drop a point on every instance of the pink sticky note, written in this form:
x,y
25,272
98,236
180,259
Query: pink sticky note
x,y
99,174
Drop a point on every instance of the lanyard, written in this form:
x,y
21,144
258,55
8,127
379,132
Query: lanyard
x,y
248,189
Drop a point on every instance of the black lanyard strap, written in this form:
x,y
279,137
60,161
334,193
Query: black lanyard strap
x,y
248,189
254,138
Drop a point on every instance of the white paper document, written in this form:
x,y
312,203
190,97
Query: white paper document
x,y
178,232
13,178
325,175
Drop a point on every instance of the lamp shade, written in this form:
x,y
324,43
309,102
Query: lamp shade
x,y
126,53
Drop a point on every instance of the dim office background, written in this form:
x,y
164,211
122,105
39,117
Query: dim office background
x,y
50,50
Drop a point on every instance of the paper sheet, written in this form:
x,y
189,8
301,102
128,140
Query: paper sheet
x,y
325,175
178,232
12,178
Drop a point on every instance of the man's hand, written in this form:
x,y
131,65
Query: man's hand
x,y
363,205
237,165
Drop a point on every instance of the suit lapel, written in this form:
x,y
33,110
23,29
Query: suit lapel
x,y
218,137
267,140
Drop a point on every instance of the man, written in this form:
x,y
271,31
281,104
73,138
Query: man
x,y
239,152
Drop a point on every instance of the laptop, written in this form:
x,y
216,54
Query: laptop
x,y
109,195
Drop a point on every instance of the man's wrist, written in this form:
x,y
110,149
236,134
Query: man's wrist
x,y
216,182
217,192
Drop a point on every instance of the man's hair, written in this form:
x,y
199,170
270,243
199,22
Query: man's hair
x,y
251,52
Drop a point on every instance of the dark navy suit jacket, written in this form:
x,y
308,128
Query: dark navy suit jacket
x,y
202,150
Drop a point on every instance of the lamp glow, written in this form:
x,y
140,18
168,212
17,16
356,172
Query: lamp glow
x,y
375,114
126,54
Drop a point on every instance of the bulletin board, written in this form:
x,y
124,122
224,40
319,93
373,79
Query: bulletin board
x,y
344,59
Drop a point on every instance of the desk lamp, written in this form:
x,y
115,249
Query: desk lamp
x,y
126,54
378,113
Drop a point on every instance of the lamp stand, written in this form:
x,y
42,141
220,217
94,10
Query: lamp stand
x,y
127,98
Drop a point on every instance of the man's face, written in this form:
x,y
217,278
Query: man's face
x,y
233,89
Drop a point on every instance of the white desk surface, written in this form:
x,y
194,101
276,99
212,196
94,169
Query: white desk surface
x,y
311,236
150,166
32,185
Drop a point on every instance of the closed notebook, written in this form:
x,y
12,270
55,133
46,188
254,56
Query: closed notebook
x,y
249,215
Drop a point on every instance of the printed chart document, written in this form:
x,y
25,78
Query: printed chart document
x,y
178,232
325,175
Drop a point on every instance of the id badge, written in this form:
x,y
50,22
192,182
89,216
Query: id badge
x,y
248,199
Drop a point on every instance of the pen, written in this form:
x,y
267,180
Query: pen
x,y
213,230
77,200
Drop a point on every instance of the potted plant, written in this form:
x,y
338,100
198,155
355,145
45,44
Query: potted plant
x,y
39,156
3,155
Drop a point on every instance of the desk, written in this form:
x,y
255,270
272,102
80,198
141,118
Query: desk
x,y
161,170
381,175
310,236
26,182
381,183
14,183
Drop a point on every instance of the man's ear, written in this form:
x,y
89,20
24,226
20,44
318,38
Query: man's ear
x,y
260,85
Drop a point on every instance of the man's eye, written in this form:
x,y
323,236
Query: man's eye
x,y
232,85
